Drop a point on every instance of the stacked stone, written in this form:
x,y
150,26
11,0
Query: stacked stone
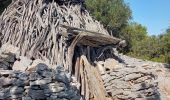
x,y
42,83
6,61
25,79
122,84
130,81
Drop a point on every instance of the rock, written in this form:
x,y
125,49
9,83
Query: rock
x,y
6,81
108,87
23,76
7,72
35,63
41,67
34,87
19,82
53,97
16,90
36,94
111,64
61,76
132,76
34,76
4,65
47,74
8,48
105,76
116,92
2,95
26,98
40,82
8,57
16,96
56,87
22,64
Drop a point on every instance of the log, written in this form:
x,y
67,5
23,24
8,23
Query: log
x,y
93,39
96,86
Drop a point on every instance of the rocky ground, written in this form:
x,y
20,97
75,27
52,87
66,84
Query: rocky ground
x,y
129,78
25,79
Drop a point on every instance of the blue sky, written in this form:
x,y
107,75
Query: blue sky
x,y
153,14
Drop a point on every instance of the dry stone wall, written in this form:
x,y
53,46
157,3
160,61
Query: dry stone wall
x,y
25,79
127,78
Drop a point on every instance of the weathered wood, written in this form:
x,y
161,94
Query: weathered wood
x,y
98,92
93,39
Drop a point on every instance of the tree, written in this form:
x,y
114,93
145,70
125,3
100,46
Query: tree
x,y
134,34
114,14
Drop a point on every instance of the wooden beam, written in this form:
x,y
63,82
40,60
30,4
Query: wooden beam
x,y
91,38
93,79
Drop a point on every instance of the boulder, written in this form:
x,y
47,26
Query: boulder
x,y
56,87
8,57
61,75
22,64
34,76
6,81
37,62
40,82
37,94
16,90
8,48
4,65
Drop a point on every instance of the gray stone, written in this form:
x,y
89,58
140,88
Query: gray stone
x,y
37,62
76,97
41,67
19,82
105,76
8,48
108,88
6,81
2,95
36,94
61,76
8,72
63,95
9,57
116,92
34,76
16,90
108,79
22,64
40,82
121,84
56,87
26,98
23,76
16,96
4,65
71,94
34,87
132,76
47,74
53,97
